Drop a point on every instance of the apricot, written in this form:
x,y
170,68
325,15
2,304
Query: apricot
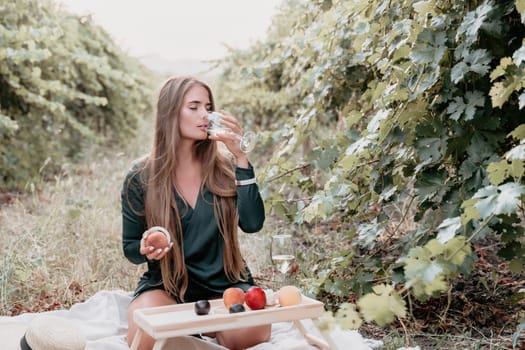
x,y
233,295
289,295
157,240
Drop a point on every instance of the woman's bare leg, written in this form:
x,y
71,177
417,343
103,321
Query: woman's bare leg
x,y
237,339
157,297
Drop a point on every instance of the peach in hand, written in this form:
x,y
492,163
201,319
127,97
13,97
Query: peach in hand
x,y
233,295
157,240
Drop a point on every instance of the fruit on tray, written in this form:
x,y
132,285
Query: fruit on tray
x,y
235,308
233,295
289,295
255,298
157,240
202,307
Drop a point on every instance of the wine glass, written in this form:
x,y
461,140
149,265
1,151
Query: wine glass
x,y
247,140
282,253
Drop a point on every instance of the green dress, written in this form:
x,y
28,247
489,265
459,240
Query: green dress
x,y
203,243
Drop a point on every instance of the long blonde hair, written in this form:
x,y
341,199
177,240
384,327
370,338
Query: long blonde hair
x,y
218,177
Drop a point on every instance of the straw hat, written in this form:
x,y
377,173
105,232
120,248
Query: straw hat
x,y
42,333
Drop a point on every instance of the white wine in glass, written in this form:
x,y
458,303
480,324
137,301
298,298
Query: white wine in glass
x,y
282,253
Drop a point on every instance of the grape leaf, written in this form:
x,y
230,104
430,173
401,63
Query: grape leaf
x,y
429,48
457,249
519,56
476,61
422,272
500,70
347,317
520,6
498,172
518,133
425,7
431,186
501,91
516,153
367,233
458,108
448,229
495,200
473,21
382,305
431,149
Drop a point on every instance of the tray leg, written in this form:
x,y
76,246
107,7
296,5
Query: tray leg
x,y
136,339
314,340
159,344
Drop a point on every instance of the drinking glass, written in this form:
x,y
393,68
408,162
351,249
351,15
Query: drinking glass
x,y
282,253
247,141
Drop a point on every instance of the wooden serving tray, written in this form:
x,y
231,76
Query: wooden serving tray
x,y
170,321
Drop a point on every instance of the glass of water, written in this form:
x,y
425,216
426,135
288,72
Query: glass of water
x,y
247,141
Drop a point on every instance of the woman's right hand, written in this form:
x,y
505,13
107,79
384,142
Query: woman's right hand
x,y
149,251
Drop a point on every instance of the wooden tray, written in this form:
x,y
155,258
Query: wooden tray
x,y
177,320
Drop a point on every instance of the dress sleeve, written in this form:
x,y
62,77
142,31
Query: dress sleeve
x,y
133,219
249,202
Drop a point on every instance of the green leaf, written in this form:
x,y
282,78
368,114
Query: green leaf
x,y
382,306
457,249
429,48
367,233
517,152
423,273
448,229
431,150
425,7
469,211
473,21
519,132
458,108
347,317
476,61
500,70
495,200
501,91
520,6
431,186
498,172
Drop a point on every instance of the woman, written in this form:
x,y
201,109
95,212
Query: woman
x,y
198,194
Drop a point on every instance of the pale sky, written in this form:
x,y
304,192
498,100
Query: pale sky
x,y
175,29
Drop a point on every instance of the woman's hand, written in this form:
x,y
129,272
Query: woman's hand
x,y
149,251
231,141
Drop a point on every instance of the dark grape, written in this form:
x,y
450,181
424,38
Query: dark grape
x,y
234,308
202,307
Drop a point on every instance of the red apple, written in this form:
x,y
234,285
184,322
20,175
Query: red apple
x,y
255,298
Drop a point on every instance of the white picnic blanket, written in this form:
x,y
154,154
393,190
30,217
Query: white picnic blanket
x,y
103,320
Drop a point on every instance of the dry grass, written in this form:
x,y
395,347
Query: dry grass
x,y
62,244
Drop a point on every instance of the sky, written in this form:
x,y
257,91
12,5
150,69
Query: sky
x,y
180,30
